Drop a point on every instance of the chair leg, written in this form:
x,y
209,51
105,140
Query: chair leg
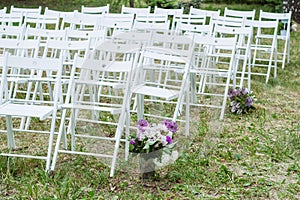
x,y
60,132
10,134
51,138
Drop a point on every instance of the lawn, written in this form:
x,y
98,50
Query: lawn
x,y
253,156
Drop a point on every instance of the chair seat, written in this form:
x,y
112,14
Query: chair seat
x,y
155,91
39,111
112,110
124,66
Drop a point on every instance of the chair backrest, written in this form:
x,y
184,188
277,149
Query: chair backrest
x,y
188,19
114,22
43,21
169,12
68,49
181,44
135,11
151,22
228,21
95,10
95,37
284,19
208,13
11,19
25,48
132,37
264,27
38,69
249,15
16,32
25,11
80,21
190,29
43,35
61,14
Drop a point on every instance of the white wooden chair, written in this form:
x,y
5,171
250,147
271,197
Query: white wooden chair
x,y
243,51
210,75
24,106
98,89
95,10
283,48
264,48
161,84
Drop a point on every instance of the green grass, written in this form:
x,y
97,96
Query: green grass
x,y
254,156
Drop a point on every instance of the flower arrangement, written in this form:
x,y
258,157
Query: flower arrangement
x,y
241,100
152,137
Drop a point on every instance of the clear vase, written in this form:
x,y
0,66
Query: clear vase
x,y
147,164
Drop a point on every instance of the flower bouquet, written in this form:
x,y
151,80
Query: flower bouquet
x,y
241,100
150,141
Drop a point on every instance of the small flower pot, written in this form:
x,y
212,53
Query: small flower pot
x,y
147,164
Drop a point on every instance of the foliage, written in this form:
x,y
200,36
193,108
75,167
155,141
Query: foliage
x,y
152,137
241,100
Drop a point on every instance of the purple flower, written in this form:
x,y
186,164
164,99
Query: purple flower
x,y
141,124
169,139
172,126
244,91
132,141
248,101
166,122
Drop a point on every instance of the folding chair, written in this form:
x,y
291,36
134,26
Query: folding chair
x,y
283,54
264,48
28,106
160,87
212,71
97,99
243,50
